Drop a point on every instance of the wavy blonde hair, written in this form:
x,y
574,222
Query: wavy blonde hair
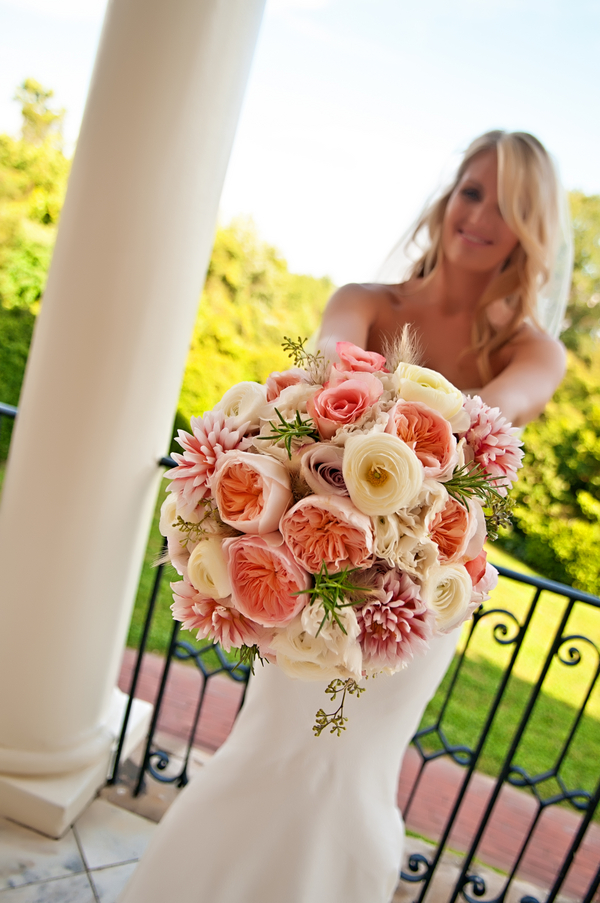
x,y
528,199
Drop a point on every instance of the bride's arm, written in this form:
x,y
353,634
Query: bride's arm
x,y
529,380
347,318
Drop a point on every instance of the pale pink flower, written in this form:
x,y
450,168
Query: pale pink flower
x,y
483,587
184,599
215,619
395,624
251,491
429,435
265,579
213,435
494,442
328,530
352,357
277,382
343,401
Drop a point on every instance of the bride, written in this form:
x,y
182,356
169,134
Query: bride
x,y
278,816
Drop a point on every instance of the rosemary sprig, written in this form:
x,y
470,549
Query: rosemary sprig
x,y
471,481
287,430
332,592
336,720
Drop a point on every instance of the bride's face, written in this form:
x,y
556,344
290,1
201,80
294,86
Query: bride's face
x,y
474,235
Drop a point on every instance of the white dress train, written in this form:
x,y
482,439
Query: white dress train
x,y
281,816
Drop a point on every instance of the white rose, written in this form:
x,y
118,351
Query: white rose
x,y
416,557
382,473
447,591
301,654
207,569
386,529
421,384
243,402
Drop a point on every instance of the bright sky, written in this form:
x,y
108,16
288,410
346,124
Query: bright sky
x,y
355,109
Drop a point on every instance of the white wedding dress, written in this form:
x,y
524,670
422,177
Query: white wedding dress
x,y
281,816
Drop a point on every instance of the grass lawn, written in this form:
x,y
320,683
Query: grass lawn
x,y
564,689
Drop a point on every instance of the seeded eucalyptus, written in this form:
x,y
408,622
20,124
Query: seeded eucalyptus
x,y
336,720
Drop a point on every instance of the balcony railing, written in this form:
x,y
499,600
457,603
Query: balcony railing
x,y
560,645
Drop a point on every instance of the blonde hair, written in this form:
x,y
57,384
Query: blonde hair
x,y
528,200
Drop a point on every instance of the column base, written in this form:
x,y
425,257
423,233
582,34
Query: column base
x,y
51,803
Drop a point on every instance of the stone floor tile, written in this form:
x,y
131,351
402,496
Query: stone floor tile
x,y
110,882
76,889
109,835
27,857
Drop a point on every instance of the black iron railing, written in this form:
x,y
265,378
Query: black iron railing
x,y
7,416
569,648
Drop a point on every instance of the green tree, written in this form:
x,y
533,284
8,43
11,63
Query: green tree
x,y
33,180
583,313
250,301
40,123
557,513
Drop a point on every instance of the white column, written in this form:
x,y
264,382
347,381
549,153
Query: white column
x,y
103,380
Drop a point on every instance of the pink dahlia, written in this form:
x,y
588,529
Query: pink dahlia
x,y
494,442
213,435
395,624
215,619
185,597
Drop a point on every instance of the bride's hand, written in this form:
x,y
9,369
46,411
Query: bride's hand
x,y
529,380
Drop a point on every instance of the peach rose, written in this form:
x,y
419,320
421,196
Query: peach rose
x,y
251,491
265,579
354,358
328,529
451,530
428,434
342,403
476,567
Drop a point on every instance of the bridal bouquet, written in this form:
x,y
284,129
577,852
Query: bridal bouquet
x,y
332,521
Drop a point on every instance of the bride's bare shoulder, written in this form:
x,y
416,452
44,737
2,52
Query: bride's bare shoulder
x,y
362,294
351,312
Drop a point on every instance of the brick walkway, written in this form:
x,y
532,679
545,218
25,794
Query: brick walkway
x,y
510,822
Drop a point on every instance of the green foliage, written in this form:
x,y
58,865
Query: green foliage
x,y
33,180
583,314
249,301
40,123
557,496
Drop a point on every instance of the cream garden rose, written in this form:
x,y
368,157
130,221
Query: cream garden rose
x,y
447,591
421,384
243,402
207,569
304,655
382,473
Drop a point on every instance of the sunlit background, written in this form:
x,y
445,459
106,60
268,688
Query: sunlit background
x,y
355,112
356,108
